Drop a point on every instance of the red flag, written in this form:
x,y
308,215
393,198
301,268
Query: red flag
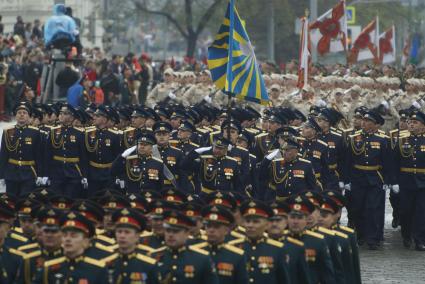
x,y
366,45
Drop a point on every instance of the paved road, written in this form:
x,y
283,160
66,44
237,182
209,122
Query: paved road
x,y
391,264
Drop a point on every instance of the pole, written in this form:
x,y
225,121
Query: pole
x,y
313,17
270,30
230,61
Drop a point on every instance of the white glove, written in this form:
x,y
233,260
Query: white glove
x,y
416,105
385,104
171,96
341,185
347,187
203,149
39,181
45,181
385,187
127,152
395,188
85,183
120,183
321,103
208,99
272,155
2,182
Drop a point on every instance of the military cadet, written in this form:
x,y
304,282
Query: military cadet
x,y
317,152
409,181
294,249
66,156
9,258
26,208
49,248
229,260
192,209
103,145
140,170
217,171
138,120
184,134
179,263
128,265
162,90
267,141
368,175
74,266
316,250
266,261
171,156
21,163
286,173
326,119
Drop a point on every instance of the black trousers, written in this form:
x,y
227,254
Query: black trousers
x,y
69,187
412,214
19,188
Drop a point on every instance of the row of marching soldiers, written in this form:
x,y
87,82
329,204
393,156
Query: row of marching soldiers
x,y
171,237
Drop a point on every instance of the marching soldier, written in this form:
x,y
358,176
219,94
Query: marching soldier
x,y
21,162
162,90
138,120
266,142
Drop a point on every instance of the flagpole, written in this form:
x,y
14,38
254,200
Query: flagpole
x,y
230,62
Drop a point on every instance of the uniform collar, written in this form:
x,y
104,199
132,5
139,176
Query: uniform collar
x,y
177,251
128,256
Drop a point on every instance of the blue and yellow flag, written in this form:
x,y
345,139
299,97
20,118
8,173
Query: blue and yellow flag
x,y
238,74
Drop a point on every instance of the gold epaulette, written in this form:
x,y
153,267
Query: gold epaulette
x,y
237,241
145,248
110,258
32,254
28,246
145,234
252,130
33,127
237,235
252,156
326,231
199,250
157,159
103,247
347,130
106,239
145,258
194,144
240,228
54,261
175,148
261,135
314,234
132,157
382,135
304,160
18,237
207,156
393,131
274,243
234,249
347,229
242,148
129,129
114,131
99,231
322,142
336,133
231,158
18,230
93,261
295,241
90,129
79,129
17,252
286,232
159,249
278,160
203,131
340,234
335,130
200,245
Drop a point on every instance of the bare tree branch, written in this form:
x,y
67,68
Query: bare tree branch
x,y
207,16
189,16
171,19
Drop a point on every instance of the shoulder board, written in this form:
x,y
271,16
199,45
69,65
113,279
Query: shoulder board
x,y
159,249
355,134
359,131
230,158
326,231
79,129
103,247
394,131
16,252
18,229
347,130
33,127
295,241
240,228
336,133
132,157
32,254
234,249
242,148
129,129
145,234
382,135
113,131
29,246
18,237
207,156
342,235
202,130
299,138
217,127
304,160
145,258
278,160
54,261
194,144
314,234
253,156
322,142
110,258
106,239
236,234
175,148
215,132
90,129
261,135
336,129
200,245
347,229
99,231
237,241
274,243
157,159
93,261
145,248
199,250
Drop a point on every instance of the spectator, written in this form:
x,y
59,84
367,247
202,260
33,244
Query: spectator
x,y
60,30
75,93
19,27
28,31
1,25
3,80
97,96
36,30
66,78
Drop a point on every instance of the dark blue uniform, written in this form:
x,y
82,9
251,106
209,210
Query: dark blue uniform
x,y
66,160
173,159
21,160
336,150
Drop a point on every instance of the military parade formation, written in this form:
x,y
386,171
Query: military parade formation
x,y
192,189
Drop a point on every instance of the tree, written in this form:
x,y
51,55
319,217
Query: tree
x,y
188,22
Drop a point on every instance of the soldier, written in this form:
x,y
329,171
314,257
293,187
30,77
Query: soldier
x,y
265,257
316,250
140,170
138,120
74,266
128,265
103,146
21,161
286,173
368,175
26,209
66,156
162,90
203,91
217,171
266,142
409,181
179,263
